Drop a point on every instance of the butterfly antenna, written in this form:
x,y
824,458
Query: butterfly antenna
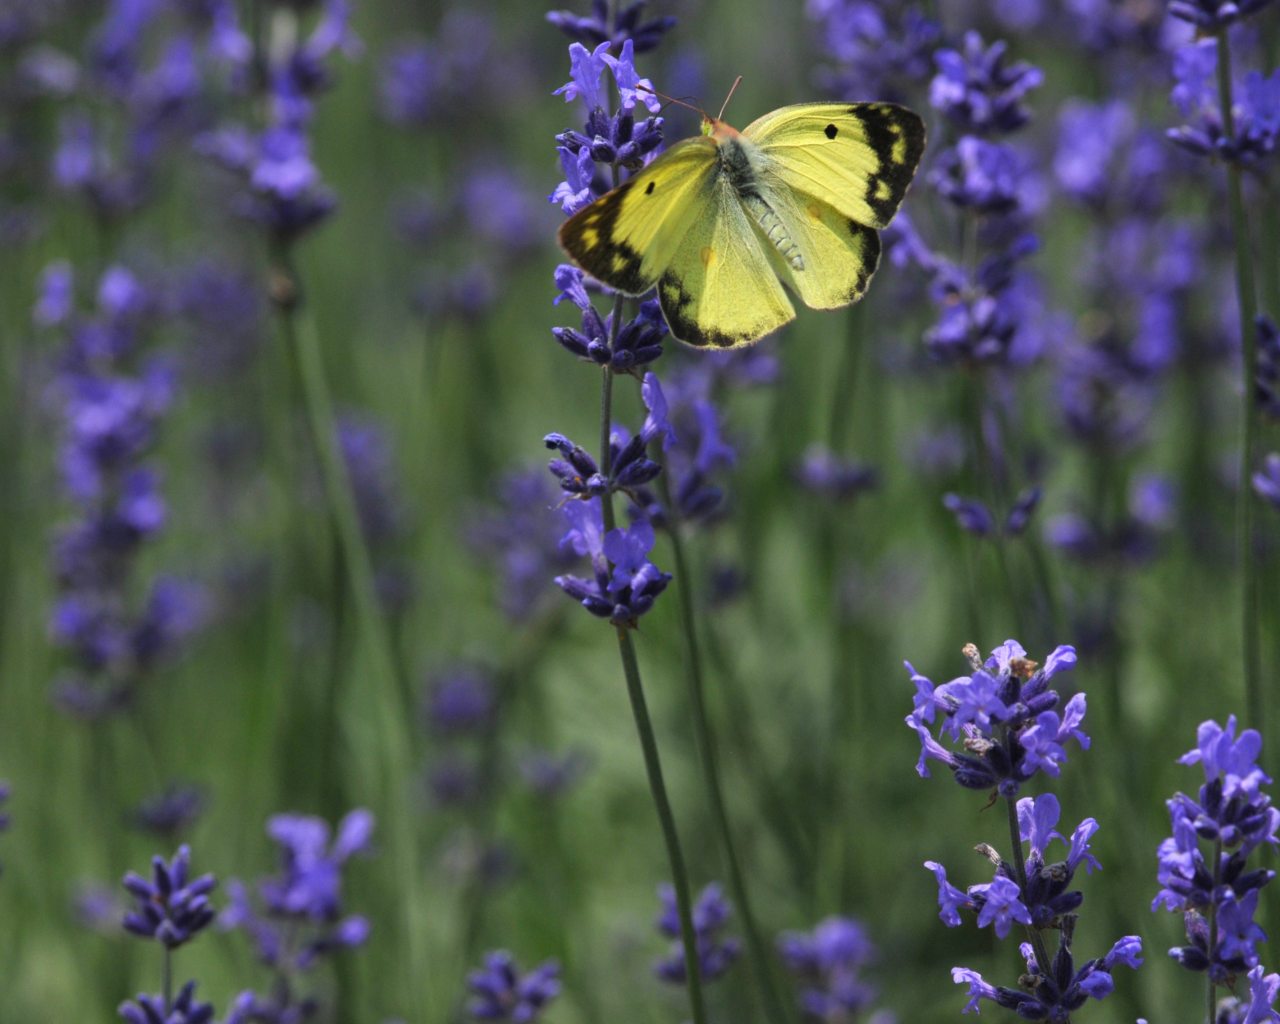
x,y
732,89
670,99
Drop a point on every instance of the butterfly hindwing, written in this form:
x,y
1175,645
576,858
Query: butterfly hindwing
x,y
858,157
720,288
837,255
628,237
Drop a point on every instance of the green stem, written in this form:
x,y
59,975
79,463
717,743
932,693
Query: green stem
x,y
710,768
640,711
167,979
386,701
657,787
1248,352
1020,870
1211,995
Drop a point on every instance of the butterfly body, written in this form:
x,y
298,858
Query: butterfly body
x,y
720,222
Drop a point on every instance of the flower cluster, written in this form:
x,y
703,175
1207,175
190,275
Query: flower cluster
x,y
183,1010
1055,993
366,450
1212,15
828,963
172,908
501,991
716,952
627,25
278,185
1004,710
985,301
460,706
1255,117
1004,714
1204,869
298,919
521,536
110,398
151,66
878,48
624,583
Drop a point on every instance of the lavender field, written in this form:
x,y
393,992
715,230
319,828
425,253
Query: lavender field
x,y
399,627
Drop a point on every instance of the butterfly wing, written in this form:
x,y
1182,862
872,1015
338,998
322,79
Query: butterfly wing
x,y
629,236
720,287
857,157
837,255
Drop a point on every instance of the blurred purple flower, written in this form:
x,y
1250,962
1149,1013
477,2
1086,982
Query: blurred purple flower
x,y
978,92
145,1009
828,963
627,25
500,991
170,812
460,701
716,952
171,908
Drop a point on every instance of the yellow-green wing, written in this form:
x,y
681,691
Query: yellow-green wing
x,y
837,255
858,157
628,237
720,287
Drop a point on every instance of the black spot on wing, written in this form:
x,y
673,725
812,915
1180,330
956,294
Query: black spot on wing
x,y
896,136
590,237
648,189
831,131
870,258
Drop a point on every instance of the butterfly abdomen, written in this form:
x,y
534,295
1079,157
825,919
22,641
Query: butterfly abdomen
x,y
739,169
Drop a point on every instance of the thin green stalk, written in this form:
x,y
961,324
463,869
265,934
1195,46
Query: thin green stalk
x,y
644,727
1020,871
993,493
1211,993
778,1010
303,340
653,767
1247,300
167,983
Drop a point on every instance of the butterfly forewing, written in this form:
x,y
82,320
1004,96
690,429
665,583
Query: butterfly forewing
x,y
628,237
858,157
719,289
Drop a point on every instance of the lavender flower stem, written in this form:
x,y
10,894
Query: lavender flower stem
x,y
778,1010
640,711
167,979
1248,354
989,484
657,787
1020,870
303,340
1211,994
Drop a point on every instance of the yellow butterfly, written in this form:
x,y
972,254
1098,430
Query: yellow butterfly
x,y
720,221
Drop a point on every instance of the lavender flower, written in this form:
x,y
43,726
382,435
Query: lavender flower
x,y
550,775
1257,1009
301,918
501,992
1233,816
823,472
580,477
625,583
716,952
1195,94
1004,711
521,538
973,516
185,1009
1212,15
626,26
4,815
1058,992
638,342
171,908
461,701
170,812
1267,380
978,92
1266,481
828,963
875,47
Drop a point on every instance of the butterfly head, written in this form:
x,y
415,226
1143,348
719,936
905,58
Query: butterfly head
x,y
718,130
